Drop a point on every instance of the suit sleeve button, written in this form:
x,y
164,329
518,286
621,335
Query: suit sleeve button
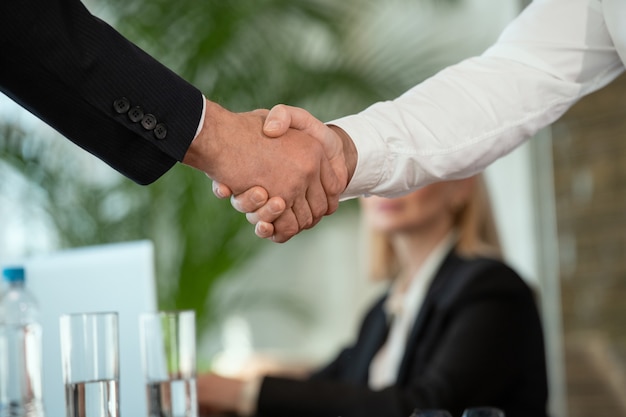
x,y
149,122
121,105
160,131
135,114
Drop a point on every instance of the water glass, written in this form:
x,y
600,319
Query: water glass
x,y
168,347
90,359
483,412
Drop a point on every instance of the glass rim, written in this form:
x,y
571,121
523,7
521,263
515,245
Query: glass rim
x,y
90,314
167,313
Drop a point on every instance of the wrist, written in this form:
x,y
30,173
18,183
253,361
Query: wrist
x,y
350,152
204,149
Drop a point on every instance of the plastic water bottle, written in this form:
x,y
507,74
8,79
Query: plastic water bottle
x,y
20,349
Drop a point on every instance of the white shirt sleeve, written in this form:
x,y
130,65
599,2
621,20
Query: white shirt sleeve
x,y
459,121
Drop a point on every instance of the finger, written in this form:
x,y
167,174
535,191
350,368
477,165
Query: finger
x,y
250,200
277,121
264,230
281,117
220,190
274,207
252,218
303,213
285,227
317,201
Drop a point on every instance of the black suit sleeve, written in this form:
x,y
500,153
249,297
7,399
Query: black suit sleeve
x,y
83,78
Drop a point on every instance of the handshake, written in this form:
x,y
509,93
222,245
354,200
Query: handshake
x,y
283,168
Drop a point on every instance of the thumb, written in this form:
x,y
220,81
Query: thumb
x,y
282,117
277,121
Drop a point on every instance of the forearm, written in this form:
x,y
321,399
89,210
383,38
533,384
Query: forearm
x,y
459,121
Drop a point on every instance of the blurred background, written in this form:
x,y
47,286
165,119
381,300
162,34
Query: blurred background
x,y
560,200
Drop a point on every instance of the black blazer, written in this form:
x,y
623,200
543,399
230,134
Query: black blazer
x,y
92,85
477,340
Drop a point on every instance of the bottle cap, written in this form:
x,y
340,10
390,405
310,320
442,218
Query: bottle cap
x,y
13,274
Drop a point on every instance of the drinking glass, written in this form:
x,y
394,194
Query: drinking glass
x,y
90,359
168,346
431,413
483,412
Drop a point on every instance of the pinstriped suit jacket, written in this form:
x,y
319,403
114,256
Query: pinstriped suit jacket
x,y
69,68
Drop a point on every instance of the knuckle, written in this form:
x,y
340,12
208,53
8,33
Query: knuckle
x,y
285,227
305,222
278,239
319,209
336,189
290,229
332,207
322,209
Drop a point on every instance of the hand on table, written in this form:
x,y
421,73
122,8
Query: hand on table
x,y
217,395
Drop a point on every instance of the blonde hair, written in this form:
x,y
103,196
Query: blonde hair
x,y
475,226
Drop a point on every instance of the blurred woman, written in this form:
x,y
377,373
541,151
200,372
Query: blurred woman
x,y
456,328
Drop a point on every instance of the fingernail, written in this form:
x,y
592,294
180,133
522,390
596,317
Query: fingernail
x,y
258,198
272,125
234,203
260,230
252,218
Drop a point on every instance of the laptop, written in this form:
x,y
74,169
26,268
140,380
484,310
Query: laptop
x,y
115,277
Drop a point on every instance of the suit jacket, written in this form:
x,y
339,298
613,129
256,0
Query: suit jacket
x,y
92,85
477,340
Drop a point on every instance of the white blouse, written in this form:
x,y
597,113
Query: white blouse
x,y
402,307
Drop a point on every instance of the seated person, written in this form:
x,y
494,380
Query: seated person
x,y
456,328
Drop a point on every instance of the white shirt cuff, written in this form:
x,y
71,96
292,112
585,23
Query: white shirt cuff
x,y
371,156
202,117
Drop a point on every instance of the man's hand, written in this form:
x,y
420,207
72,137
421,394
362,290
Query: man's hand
x,y
266,214
233,151
283,117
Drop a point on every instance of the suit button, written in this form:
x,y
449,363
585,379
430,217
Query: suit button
x,y
135,114
160,131
121,105
149,122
